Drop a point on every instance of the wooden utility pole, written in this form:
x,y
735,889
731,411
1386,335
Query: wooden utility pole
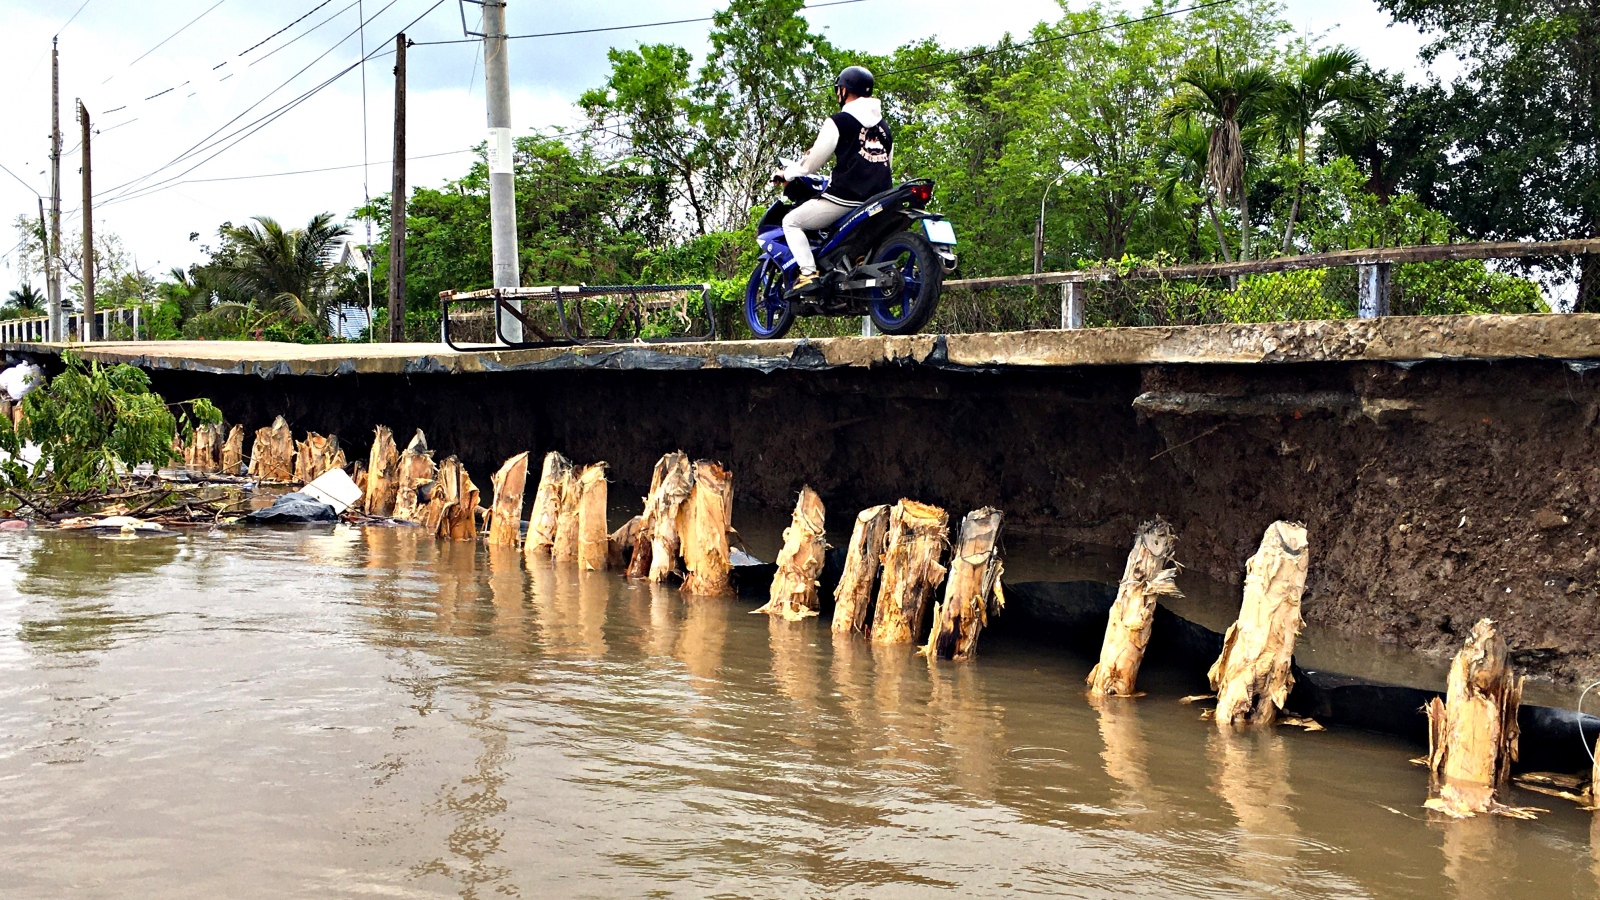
x,y
87,329
397,201
57,328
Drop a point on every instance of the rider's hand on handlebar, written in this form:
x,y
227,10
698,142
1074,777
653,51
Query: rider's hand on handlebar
x,y
777,177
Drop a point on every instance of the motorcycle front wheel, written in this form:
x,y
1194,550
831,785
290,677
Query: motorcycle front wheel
x,y
907,307
767,313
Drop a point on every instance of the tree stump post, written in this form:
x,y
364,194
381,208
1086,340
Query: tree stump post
x,y
317,455
505,522
1252,677
1148,576
794,587
546,511
1472,732
972,592
383,476
565,547
918,534
594,540
416,470
670,483
852,599
272,456
233,451
703,523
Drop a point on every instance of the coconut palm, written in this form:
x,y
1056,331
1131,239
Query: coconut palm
x,y
286,272
1324,91
1234,105
1184,155
24,301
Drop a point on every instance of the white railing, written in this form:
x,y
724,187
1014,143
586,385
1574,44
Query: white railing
x,y
36,330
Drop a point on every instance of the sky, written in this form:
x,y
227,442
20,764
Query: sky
x,y
162,77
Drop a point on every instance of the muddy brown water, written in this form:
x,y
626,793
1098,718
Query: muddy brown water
x,y
333,712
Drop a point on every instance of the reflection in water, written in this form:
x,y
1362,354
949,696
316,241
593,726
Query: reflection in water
x,y
1252,776
408,717
1124,751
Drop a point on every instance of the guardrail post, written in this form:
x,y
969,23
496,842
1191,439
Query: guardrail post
x,y
1372,289
1071,306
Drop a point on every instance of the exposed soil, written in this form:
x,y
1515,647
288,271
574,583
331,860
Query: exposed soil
x,y
1433,495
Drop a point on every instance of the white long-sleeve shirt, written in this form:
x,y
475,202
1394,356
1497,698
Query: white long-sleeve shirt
x,y
866,110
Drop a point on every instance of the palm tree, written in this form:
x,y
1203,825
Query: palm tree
x,y
1324,91
25,301
286,273
1233,104
1184,153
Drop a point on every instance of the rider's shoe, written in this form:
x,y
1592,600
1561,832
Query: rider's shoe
x,y
805,283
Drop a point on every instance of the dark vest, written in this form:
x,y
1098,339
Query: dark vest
x,y
862,169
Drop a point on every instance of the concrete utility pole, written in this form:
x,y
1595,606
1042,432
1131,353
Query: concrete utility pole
x,y
397,201
49,270
53,240
502,183
87,328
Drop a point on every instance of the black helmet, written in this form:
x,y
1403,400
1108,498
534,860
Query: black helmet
x,y
855,80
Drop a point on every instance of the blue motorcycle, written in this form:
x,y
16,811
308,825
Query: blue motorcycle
x,y
885,259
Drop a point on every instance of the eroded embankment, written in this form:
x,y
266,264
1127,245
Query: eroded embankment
x,y
1434,494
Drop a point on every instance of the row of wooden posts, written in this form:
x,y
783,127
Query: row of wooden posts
x,y
894,565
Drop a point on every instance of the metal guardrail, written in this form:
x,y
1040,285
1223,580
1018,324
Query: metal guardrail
x,y
1374,267
631,306
36,329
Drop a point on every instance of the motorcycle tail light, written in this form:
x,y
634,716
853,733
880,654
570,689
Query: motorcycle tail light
x,y
922,193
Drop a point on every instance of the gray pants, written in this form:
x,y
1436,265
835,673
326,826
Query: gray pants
x,y
812,214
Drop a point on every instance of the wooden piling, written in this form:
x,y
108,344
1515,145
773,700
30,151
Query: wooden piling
x,y
852,599
703,523
565,548
1252,677
203,451
415,472
505,523
272,456
458,496
917,536
670,483
794,587
232,457
546,509
1472,732
620,545
666,541
594,540
316,455
383,474
972,592
1149,575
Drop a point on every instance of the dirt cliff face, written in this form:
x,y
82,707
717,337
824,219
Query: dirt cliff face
x,y
1433,495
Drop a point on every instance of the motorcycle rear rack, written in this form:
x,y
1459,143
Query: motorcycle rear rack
x,y
627,327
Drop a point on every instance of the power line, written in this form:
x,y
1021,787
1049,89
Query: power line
x,y
543,34
291,42
173,35
377,162
285,28
206,142
248,130
72,19
19,180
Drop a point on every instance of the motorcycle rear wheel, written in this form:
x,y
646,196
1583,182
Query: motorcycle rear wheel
x,y
768,314
907,309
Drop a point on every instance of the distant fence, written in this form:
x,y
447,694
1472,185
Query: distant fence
x,y
1373,269
36,329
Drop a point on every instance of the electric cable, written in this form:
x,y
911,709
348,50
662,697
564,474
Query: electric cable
x,y
170,37
8,171
284,28
291,42
543,34
72,19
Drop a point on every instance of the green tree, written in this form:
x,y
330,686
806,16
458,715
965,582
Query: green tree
x,y
1234,103
23,302
1523,120
1315,95
287,274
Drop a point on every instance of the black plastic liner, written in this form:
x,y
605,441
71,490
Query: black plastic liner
x,y
293,509
1553,740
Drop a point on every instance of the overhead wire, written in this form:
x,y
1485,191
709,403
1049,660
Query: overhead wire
x,y
245,132
599,30
8,171
169,37
207,143
71,18
269,37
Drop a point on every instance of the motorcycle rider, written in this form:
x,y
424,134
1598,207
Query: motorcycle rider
x,y
860,139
